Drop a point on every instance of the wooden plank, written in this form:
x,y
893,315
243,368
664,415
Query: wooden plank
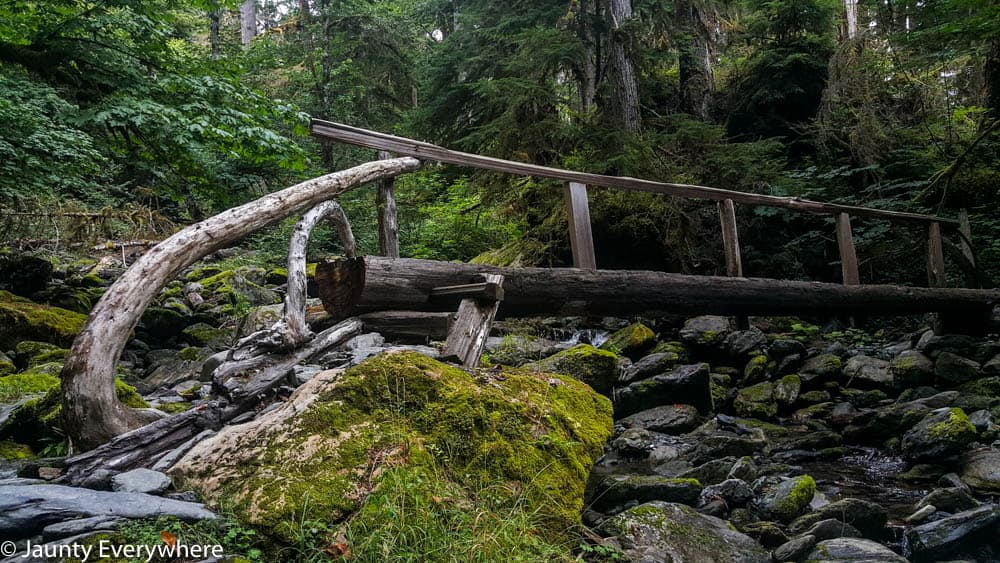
x,y
935,257
489,291
467,337
409,326
730,238
581,238
848,255
965,243
388,225
405,284
427,151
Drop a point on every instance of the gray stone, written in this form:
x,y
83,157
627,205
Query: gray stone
x,y
981,470
367,340
831,528
744,469
305,373
617,490
795,549
80,526
869,518
921,514
955,369
943,433
661,531
687,385
741,343
951,499
735,492
992,367
756,401
634,443
868,371
706,330
823,367
26,509
667,419
653,364
911,368
786,390
786,347
941,536
786,500
140,481
853,549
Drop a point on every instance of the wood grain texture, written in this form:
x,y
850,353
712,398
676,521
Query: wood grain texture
x,y
388,224
730,239
936,276
848,254
467,337
581,237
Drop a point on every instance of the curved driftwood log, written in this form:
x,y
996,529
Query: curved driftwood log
x,y
93,414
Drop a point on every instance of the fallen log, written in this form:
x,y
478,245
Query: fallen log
x,y
408,284
409,326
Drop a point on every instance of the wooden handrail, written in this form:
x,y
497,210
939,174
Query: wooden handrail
x,y
426,151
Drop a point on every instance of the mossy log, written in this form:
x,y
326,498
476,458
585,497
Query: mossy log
x,y
408,284
93,413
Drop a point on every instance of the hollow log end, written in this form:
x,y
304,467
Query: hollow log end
x,y
340,282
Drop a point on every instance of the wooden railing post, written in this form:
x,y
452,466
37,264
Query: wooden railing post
x,y
730,238
965,243
388,226
848,255
935,256
581,238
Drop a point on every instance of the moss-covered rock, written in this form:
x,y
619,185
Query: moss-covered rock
x,y
986,386
203,334
706,331
911,368
161,322
18,386
756,401
614,491
786,390
942,433
758,368
521,439
597,368
631,341
6,365
12,451
21,319
788,499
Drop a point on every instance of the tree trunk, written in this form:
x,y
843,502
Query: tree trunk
x,y
213,36
248,21
851,9
588,74
623,99
304,14
407,284
992,71
93,414
696,79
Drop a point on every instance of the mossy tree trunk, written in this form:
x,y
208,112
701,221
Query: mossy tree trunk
x,y
93,414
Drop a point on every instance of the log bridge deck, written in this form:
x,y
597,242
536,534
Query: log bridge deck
x,y
391,283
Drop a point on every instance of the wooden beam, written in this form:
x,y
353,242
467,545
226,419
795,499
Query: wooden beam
x,y
427,151
935,257
581,238
965,243
848,255
405,284
467,337
730,238
409,326
388,225
490,291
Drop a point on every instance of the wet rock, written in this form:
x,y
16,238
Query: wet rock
x,y
824,367
920,514
942,433
706,330
955,369
744,469
661,531
631,341
853,549
911,368
618,490
787,499
951,499
941,537
80,526
786,390
650,365
140,481
636,443
786,347
832,528
868,517
683,385
843,414
27,509
517,349
769,534
735,492
868,371
597,368
667,419
981,470
934,345
711,472
712,446
756,401
795,549
741,343
992,367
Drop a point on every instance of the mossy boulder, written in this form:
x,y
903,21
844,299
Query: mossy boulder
x,y
758,368
12,451
787,389
203,334
161,322
240,285
631,341
706,331
941,434
595,367
911,368
6,365
21,319
757,401
955,369
788,499
519,439
663,531
24,274
824,367
613,491
986,386
18,386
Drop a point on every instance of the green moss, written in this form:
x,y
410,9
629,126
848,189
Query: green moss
x,y
52,356
709,337
174,408
15,387
191,354
595,367
92,280
6,365
203,334
631,340
986,386
20,319
800,495
203,272
523,440
756,401
30,348
957,427
757,368
129,396
14,451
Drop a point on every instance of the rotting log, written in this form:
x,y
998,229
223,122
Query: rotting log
x,y
92,412
407,284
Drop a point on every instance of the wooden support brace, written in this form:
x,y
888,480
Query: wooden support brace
x,y
388,225
581,238
730,239
848,255
935,257
467,337
488,291
965,243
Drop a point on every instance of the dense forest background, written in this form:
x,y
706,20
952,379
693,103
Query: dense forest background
x,y
125,118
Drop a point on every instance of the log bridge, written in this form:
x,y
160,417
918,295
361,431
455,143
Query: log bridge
x,y
391,283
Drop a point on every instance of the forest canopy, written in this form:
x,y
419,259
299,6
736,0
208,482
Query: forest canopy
x,y
177,110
